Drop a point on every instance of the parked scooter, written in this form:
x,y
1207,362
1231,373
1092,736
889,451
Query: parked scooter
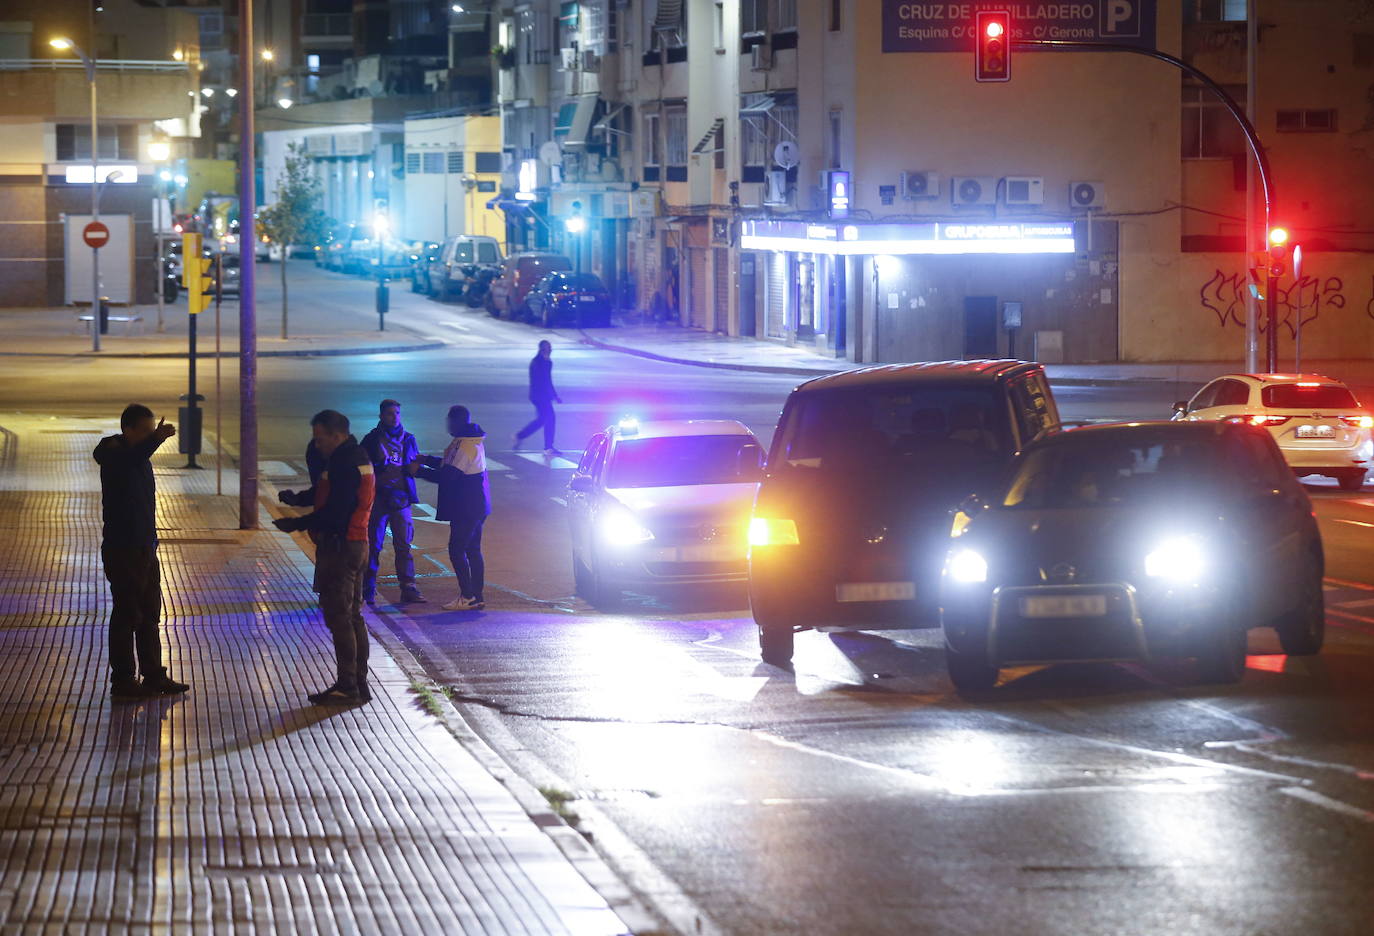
x,y
478,284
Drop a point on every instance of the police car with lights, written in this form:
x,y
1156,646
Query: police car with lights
x,y
662,503
1319,425
1133,542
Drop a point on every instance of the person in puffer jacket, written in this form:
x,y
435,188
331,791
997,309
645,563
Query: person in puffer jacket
x,y
464,501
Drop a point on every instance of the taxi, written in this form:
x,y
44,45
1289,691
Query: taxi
x,y
1134,542
662,503
1319,425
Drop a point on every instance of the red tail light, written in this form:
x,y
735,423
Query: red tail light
x,y
1359,422
1265,421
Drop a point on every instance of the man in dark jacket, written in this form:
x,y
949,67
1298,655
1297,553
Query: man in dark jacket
x,y
543,396
338,525
314,466
128,549
395,461
465,502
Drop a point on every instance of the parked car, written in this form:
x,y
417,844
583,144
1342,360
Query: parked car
x,y
460,259
1319,425
852,519
422,254
330,253
662,503
230,274
575,298
1134,542
519,273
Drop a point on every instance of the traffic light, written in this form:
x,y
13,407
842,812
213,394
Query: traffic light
x,y
196,274
1278,250
992,46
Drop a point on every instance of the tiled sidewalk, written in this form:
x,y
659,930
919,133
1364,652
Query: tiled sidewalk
x,y
240,807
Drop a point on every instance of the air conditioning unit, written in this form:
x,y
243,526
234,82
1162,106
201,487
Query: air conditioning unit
x,y
973,190
776,191
1024,190
568,59
917,185
1087,195
591,62
761,57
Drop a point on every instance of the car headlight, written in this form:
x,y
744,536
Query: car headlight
x,y
620,527
1180,559
772,531
967,567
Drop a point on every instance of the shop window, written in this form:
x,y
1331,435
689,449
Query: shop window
x,y
1208,129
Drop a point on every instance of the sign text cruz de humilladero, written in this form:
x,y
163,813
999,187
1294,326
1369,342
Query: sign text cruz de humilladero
x,y
924,26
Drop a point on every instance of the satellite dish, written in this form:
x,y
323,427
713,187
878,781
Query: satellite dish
x,y
787,154
551,154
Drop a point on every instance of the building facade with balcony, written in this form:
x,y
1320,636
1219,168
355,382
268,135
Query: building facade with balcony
x,y
144,92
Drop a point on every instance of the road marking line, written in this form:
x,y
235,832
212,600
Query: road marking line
x,y
1345,584
1359,523
276,469
458,325
559,501
556,463
493,465
1362,603
1326,802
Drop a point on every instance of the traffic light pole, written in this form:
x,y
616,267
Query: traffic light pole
x,y
1266,178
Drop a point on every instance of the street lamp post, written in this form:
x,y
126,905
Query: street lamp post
x,y
66,45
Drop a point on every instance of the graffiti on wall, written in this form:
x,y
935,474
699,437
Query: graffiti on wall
x,y
1223,295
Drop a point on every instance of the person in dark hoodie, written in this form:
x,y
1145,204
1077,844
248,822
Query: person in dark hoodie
x,y
543,396
465,502
128,549
314,466
395,461
338,525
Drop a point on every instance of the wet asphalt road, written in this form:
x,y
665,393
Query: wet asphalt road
x,y
857,794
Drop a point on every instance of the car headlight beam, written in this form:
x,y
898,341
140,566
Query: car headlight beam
x,y
1178,559
619,527
967,567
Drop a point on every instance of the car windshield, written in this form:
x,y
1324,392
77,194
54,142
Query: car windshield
x,y
678,460
1308,397
1098,471
896,427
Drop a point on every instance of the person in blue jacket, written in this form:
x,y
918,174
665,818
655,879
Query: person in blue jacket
x,y
395,459
464,502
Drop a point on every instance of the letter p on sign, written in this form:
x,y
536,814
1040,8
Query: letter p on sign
x,y
1120,18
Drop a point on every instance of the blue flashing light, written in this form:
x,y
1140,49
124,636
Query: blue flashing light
x,y
628,425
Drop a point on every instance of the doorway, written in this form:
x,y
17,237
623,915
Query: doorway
x,y
980,327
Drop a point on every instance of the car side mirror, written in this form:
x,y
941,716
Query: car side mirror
x,y
581,484
1180,408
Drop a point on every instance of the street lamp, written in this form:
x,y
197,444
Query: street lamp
x,y
63,44
285,103
267,55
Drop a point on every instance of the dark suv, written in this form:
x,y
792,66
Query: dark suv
x,y
852,520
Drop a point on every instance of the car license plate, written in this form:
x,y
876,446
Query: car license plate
x,y
1064,606
1316,432
712,552
875,591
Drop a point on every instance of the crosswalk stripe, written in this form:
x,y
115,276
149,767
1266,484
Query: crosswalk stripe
x,y
458,325
556,463
493,465
1361,603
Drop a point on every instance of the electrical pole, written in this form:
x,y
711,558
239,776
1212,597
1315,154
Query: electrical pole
x,y
248,337
1251,241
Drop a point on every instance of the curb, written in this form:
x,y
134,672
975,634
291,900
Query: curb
x,y
819,372
623,901
173,355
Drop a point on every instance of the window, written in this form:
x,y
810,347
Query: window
x,y
675,141
1297,396
488,162
653,152
433,163
1209,130
532,37
718,144
785,17
836,129
1214,11
754,147
412,163
455,161
568,34
718,25
1306,121
486,253
116,141
1232,393
594,26
753,17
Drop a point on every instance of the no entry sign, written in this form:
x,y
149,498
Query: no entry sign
x,y
95,234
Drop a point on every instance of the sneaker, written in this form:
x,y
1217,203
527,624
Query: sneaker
x,y
364,693
552,453
370,600
335,695
515,441
163,684
461,604
411,593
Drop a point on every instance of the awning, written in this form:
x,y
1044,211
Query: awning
x,y
575,120
707,143
604,124
757,103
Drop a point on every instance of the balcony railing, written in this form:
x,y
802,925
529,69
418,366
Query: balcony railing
x,y
327,24
120,65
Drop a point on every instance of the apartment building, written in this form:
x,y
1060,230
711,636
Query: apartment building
x,y
147,90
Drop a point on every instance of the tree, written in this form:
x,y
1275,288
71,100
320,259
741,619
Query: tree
x,y
296,217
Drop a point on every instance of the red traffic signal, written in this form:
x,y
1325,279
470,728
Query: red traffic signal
x,y
992,46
